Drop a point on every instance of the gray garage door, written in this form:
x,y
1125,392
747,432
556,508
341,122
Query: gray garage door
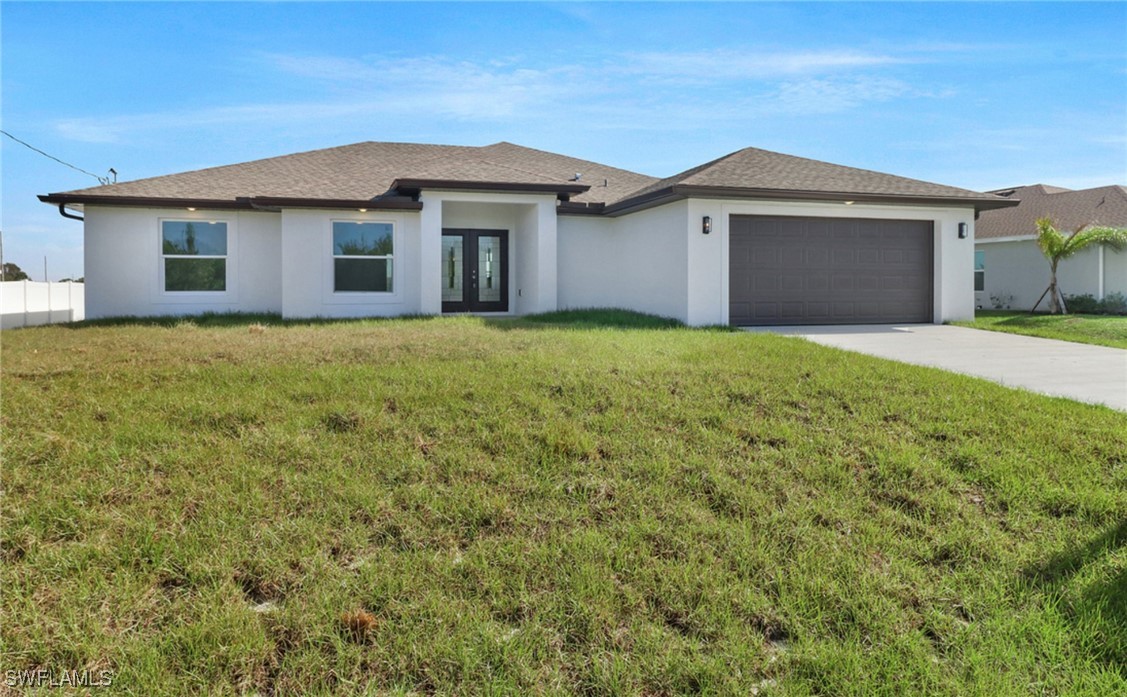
x,y
829,270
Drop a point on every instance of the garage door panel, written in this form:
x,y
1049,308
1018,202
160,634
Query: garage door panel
x,y
818,283
792,284
767,310
818,310
792,256
817,256
868,283
829,270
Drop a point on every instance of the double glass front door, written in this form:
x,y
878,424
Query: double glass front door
x,y
475,270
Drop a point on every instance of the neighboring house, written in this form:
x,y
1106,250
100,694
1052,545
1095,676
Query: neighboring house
x,y
1010,270
376,229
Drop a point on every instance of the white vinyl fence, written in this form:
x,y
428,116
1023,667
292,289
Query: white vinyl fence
x,y
29,303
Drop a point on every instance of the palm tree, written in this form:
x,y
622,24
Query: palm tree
x,y
1057,246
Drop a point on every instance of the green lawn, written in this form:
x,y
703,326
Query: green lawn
x,y
463,506
1105,330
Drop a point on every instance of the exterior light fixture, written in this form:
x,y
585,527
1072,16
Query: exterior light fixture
x,y
706,224
362,210
190,208
849,203
963,232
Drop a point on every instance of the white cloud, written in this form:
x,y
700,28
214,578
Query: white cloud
x,y
725,64
604,93
833,95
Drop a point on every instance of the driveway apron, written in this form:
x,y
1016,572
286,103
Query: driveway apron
x,y
1087,373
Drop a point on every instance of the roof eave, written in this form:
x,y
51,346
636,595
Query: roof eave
x,y
412,187
238,203
681,191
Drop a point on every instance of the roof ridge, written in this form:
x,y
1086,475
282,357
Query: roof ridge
x,y
678,177
567,157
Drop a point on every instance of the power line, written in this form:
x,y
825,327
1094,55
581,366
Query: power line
x,y
101,180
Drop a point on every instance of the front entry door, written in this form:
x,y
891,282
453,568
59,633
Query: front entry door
x,y
475,271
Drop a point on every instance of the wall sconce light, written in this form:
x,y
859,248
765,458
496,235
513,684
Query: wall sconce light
x,y
848,203
706,224
190,208
963,231
362,210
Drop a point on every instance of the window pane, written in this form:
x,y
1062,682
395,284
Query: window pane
x,y
979,260
488,269
362,275
362,239
452,268
980,280
195,237
195,274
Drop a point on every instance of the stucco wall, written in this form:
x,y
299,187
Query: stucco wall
x,y
1017,268
655,261
660,261
122,263
953,275
531,222
522,239
307,266
638,261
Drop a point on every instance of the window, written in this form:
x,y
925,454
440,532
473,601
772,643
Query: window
x,y
979,270
362,257
195,255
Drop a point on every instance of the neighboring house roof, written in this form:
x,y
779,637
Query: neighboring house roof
x,y
1069,210
389,175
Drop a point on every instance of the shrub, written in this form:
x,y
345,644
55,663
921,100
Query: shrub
x,y
1086,304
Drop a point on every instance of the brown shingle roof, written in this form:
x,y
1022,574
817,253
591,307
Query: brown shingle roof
x,y
366,170
1070,210
766,171
358,173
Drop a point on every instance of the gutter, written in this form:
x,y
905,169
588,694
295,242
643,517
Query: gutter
x,y
63,212
412,187
1010,238
678,192
268,203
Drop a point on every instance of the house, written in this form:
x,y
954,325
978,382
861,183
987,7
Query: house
x,y
1010,271
376,229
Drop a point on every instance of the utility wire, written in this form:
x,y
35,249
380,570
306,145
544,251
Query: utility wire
x,y
101,180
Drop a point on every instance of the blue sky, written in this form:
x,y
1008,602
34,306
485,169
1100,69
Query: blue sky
x,y
975,95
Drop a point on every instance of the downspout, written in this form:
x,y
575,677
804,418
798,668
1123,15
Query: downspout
x,y
63,212
1100,275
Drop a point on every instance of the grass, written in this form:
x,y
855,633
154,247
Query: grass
x,y
1103,330
461,506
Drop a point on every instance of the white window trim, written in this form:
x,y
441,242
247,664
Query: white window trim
x,y
218,297
329,293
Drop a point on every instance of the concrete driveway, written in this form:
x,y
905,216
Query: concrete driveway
x,y
1095,374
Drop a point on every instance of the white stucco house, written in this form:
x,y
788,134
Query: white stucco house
x,y
1010,271
380,229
